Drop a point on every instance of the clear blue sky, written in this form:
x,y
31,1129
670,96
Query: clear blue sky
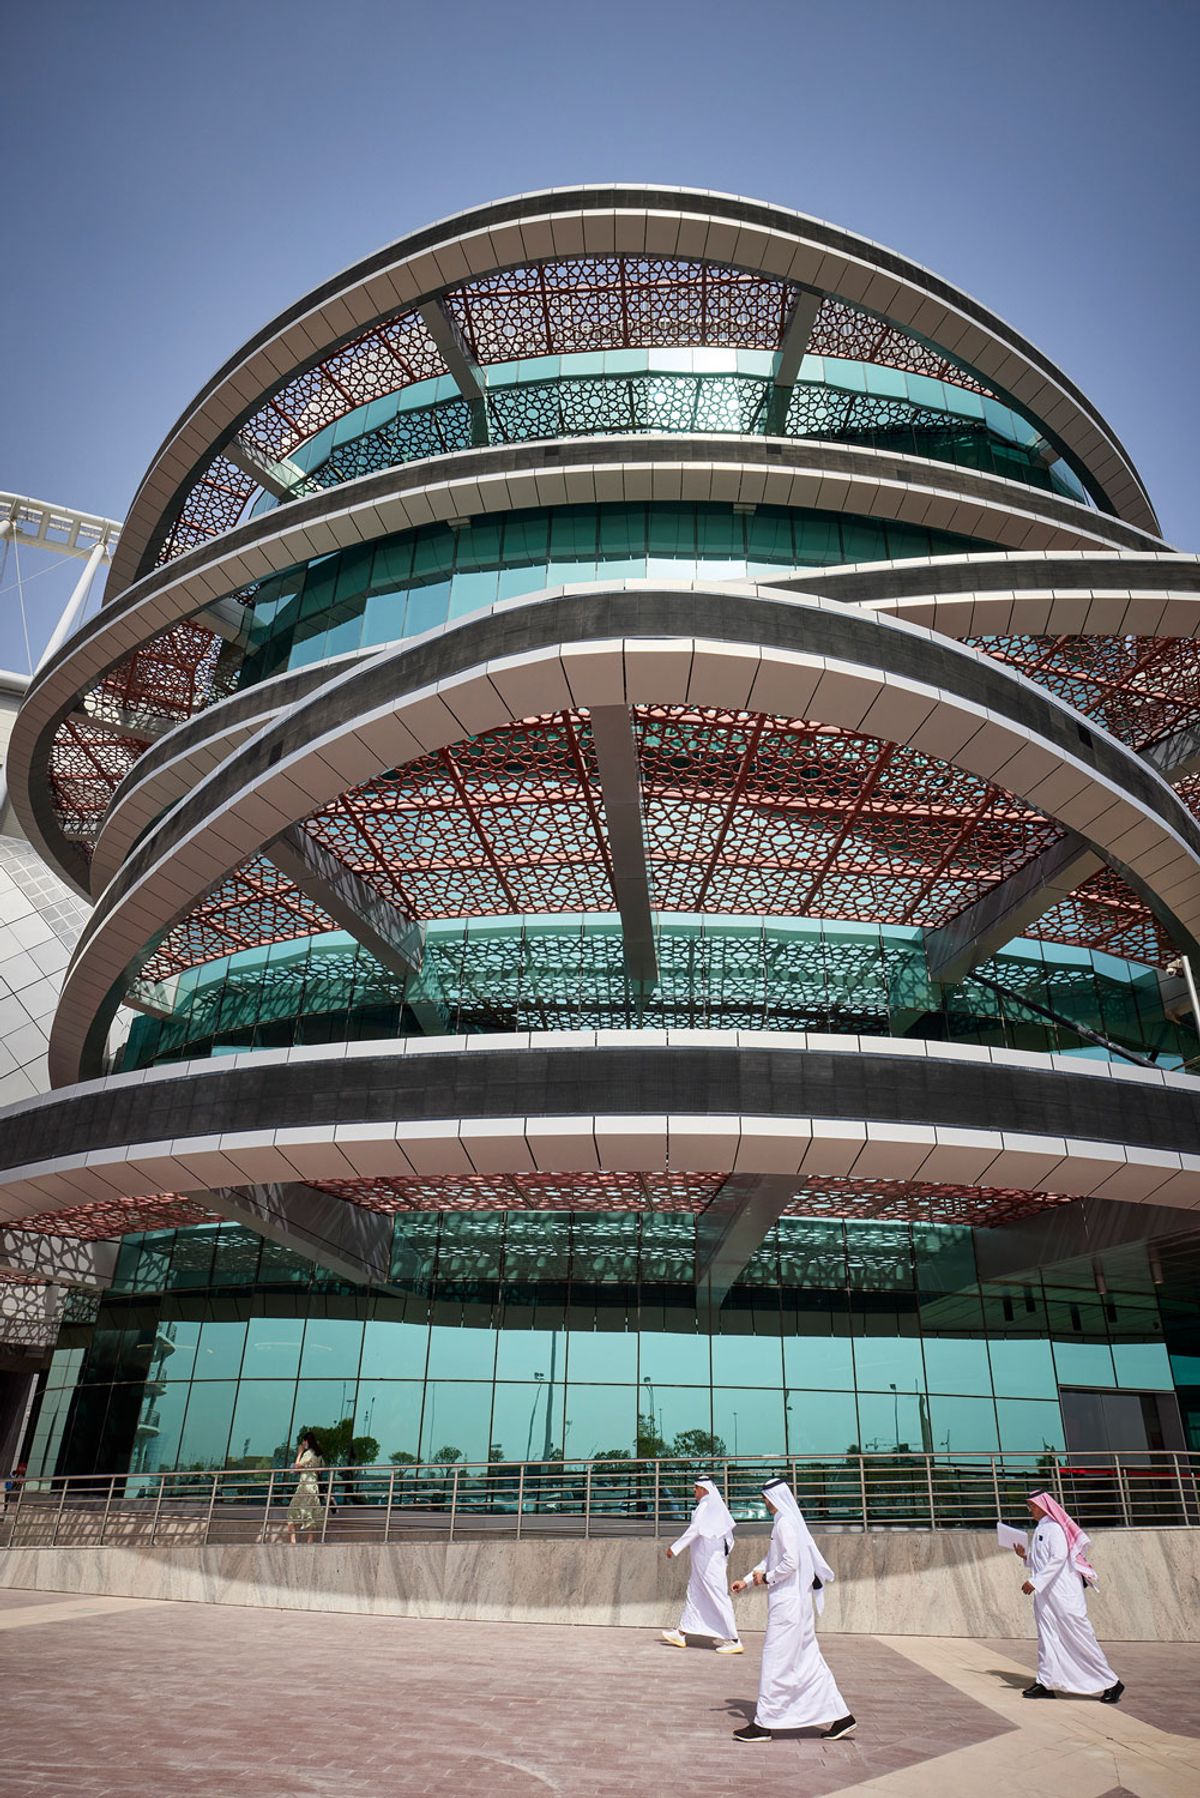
x,y
178,173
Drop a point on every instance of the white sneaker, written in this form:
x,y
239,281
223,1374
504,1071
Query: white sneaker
x,y
731,1648
673,1639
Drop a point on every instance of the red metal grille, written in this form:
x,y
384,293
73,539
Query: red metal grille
x,y
551,309
1104,913
1139,688
255,905
893,1200
782,817
917,1201
743,814
506,822
532,1192
102,1219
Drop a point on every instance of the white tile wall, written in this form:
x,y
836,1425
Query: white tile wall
x,y
40,919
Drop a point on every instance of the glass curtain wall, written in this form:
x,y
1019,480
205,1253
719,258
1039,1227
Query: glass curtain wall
x,y
531,1335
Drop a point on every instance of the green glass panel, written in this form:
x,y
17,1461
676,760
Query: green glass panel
x,y
821,1422
205,1436
219,1352
272,1348
332,1348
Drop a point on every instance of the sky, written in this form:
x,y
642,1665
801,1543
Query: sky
x,y
177,174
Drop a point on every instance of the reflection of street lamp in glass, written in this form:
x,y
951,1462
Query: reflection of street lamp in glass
x,y
895,1416
735,1436
654,1407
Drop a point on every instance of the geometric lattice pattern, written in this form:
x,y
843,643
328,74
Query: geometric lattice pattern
x,y
1104,913
552,309
169,678
255,904
892,1200
102,1220
1139,688
743,814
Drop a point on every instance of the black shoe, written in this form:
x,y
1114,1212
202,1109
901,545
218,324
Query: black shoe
x,y
1036,1690
845,1726
1113,1695
752,1733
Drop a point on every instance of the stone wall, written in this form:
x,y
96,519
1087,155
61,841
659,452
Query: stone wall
x,y
954,1584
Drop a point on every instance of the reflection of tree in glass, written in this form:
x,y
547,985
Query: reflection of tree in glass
x,y
445,1457
400,1457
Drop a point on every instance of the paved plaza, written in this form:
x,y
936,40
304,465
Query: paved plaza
x,y
109,1696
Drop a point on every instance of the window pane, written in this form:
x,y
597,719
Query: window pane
x,y
332,1347
677,1359
1022,1368
1027,1424
206,1431
390,1411
821,1422
219,1353
272,1348
600,1419
261,1435
457,1416
962,1425
394,1350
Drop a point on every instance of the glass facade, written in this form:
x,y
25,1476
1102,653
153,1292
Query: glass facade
x,y
724,391
552,1333
416,580
499,974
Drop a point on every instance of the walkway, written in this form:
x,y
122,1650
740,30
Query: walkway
x,y
125,1698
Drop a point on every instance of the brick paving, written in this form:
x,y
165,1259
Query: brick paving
x,y
191,1701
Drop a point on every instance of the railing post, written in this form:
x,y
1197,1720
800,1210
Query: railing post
x,y
58,1515
520,1499
1183,1503
862,1487
387,1515
112,1486
327,1507
158,1498
453,1502
995,1485
1122,1493
587,1502
933,1522
16,1515
212,1505
266,1522
657,1490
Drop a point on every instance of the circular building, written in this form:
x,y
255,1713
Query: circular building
x,y
637,775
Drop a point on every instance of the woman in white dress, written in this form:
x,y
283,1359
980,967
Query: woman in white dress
x,y
1069,1657
708,1608
796,1688
304,1512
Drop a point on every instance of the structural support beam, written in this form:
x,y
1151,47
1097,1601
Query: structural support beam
x,y
1003,912
793,347
953,949
228,618
620,787
118,723
280,479
64,1260
1088,1227
732,1227
394,940
345,1238
465,371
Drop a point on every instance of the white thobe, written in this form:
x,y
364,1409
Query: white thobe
x,y
708,1608
795,1687
1069,1657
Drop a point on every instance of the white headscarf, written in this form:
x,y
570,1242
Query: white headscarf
x,y
784,1500
712,1516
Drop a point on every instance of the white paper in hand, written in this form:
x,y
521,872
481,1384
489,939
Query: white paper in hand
x,y
1010,1538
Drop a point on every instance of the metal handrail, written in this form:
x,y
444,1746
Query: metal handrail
x,y
850,1491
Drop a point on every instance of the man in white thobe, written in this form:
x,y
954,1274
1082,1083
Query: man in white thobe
x,y
796,1688
708,1608
1069,1657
